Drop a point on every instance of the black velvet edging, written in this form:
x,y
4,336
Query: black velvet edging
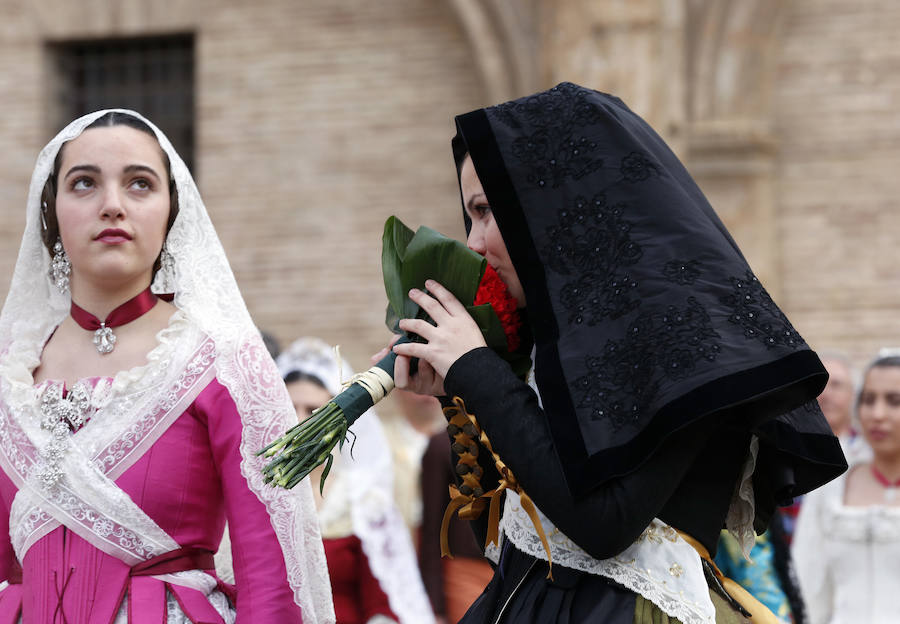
x,y
475,132
460,150
765,391
819,455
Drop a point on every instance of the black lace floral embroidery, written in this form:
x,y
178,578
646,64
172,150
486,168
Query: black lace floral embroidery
x,y
753,309
591,242
624,379
636,167
681,272
558,147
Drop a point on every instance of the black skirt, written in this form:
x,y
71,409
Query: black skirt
x,y
521,593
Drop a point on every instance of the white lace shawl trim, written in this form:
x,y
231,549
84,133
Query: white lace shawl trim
x,y
659,565
206,291
260,395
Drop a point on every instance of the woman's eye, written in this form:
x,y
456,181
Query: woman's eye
x,y
866,399
142,184
893,400
82,184
481,209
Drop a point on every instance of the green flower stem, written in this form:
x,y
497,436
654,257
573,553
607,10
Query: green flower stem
x,y
310,443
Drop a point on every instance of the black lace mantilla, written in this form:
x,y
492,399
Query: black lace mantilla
x,y
753,310
636,167
681,272
556,146
591,243
625,378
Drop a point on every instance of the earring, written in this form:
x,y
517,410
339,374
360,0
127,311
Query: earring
x,y
60,267
166,261
165,276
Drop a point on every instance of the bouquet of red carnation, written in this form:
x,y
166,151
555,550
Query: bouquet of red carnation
x,y
493,291
407,260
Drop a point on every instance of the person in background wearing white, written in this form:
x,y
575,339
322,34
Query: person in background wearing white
x,y
847,542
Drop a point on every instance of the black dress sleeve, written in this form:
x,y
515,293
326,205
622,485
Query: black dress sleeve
x,y
606,520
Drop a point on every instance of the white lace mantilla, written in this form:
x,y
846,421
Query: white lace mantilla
x,y
659,565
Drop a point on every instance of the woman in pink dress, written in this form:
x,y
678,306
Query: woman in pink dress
x,y
129,418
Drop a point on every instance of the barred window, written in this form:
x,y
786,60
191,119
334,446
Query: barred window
x,y
151,75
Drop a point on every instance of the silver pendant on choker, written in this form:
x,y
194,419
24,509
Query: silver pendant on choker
x,y
104,339
890,493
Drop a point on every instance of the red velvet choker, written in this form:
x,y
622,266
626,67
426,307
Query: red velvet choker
x,y
104,338
890,487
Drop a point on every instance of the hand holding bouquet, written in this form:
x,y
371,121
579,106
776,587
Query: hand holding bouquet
x,y
409,260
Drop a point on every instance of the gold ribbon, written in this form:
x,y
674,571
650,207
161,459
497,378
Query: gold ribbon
x,y
469,499
759,613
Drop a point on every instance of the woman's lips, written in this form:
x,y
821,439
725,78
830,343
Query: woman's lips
x,y
878,434
113,236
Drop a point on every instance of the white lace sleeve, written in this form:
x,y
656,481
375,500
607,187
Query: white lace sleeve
x,y
814,577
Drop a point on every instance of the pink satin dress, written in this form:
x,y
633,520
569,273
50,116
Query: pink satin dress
x,y
189,482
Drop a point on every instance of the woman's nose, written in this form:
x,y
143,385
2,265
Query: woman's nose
x,y
879,410
475,241
112,204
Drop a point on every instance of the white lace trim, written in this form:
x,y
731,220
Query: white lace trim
x,y
659,565
742,508
206,292
380,619
875,524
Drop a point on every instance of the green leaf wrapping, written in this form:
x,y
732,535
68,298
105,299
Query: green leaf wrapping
x,y
408,259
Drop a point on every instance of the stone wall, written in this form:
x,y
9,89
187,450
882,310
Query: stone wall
x,y
316,120
837,106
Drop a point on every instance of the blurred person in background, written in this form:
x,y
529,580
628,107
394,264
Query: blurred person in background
x,y
409,419
135,392
271,342
454,583
836,399
836,402
371,560
768,574
847,541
